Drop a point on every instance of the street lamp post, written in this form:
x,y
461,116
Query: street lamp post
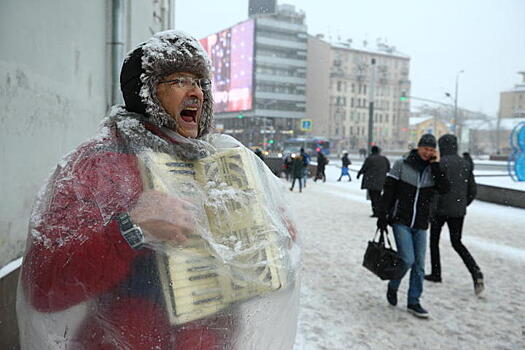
x,y
457,125
371,91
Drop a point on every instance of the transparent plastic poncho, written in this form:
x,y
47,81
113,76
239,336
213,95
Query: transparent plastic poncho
x,y
227,279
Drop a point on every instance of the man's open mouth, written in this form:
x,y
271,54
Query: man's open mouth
x,y
189,114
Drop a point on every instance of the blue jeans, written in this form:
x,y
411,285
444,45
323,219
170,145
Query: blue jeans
x,y
411,245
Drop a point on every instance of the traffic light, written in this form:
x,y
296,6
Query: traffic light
x,y
240,116
271,142
403,96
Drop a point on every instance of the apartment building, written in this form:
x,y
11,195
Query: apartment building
x,y
339,84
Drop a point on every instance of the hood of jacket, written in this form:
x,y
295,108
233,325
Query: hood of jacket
x,y
448,145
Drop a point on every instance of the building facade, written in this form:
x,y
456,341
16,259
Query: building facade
x,y
279,82
340,88
420,125
512,103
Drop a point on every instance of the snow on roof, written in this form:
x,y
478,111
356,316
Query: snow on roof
x,y
381,49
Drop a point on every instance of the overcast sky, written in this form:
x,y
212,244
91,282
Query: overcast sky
x,y
485,38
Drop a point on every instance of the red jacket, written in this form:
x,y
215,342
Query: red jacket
x,y
77,254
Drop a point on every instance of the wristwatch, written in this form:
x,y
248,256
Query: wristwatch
x,y
132,233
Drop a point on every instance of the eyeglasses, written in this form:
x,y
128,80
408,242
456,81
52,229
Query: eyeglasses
x,y
189,83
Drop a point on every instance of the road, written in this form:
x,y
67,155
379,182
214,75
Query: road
x,y
343,305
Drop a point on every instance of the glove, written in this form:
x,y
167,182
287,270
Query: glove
x,y
382,223
358,174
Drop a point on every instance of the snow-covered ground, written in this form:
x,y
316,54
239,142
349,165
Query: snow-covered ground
x,y
343,305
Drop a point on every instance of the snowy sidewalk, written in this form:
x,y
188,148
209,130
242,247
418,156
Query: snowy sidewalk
x,y
343,306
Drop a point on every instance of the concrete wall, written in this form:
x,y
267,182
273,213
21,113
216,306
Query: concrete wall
x,y
54,91
8,322
503,196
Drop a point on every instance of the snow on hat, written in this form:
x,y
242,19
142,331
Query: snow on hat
x,y
163,54
427,140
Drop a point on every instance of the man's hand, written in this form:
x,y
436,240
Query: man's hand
x,y
164,218
382,223
434,158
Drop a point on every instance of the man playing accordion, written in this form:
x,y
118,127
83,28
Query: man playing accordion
x,y
158,233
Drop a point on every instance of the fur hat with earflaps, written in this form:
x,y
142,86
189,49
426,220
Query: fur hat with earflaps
x,y
163,54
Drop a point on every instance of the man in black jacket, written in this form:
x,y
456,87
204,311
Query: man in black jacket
x,y
374,170
451,208
321,164
405,204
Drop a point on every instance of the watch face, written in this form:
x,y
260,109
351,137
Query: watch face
x,y
134,237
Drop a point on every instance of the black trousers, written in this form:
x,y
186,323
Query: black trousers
x,y
320,174
455,227
300,180
375,198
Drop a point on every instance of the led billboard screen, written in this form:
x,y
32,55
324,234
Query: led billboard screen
x,y
231,54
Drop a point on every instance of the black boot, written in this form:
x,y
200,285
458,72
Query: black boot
x,y
433,278
479,284
391,296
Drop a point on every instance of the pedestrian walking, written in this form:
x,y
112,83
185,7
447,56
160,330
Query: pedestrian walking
x,y
451,209
374,172
297,170
306,162
345,162
405,204
321,164
259,153
287,166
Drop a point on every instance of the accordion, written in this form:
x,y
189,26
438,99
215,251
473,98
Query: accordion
x,y
239,248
